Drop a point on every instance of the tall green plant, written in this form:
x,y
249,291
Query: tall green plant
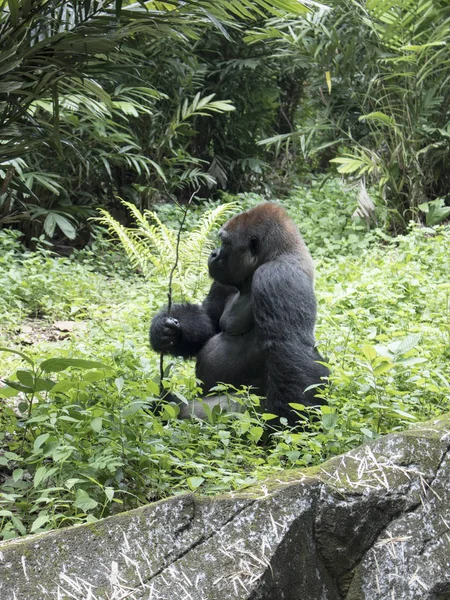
x,y
378,89
407,105
153,248
72,72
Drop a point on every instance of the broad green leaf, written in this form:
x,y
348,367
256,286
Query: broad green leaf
x,y
40,440
367,432
18,524
195,482
39,476
329,420
26,377
7,392
293,455
19,387
119,384
54,219
297,406
384,367
84,502
17,474
269,416
39,522
170,411
134,407
369,352
54,365
97,424
406,345
256,433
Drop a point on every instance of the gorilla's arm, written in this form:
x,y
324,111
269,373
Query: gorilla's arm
x,y
285,314
189,326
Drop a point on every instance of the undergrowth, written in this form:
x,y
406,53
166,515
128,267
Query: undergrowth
x,y
83,434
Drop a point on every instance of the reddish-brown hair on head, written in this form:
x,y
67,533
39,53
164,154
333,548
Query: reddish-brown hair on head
x,y
259,216
276,231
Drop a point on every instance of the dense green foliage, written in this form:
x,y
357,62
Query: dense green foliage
x,y
102,97
78,434
248,95
378,78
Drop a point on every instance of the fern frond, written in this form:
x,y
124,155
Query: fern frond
x,y
125,236
151,246
199,244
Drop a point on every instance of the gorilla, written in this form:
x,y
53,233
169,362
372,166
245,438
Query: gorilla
x,y
256,325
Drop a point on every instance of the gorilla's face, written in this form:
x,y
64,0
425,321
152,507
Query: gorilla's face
x,y
235,261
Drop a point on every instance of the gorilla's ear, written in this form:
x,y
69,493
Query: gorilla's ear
x,y
254,245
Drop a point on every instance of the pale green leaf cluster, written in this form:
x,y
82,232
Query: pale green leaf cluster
x,y
155,249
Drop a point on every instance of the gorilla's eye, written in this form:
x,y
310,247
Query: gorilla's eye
x,y
254,245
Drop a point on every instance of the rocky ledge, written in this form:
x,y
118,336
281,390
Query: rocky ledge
x,y
372,524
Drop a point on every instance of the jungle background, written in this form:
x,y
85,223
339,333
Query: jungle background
x,y
116,119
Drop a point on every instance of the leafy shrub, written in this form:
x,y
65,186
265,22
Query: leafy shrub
x,y
83,440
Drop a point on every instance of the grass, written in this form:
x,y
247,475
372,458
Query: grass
x,y
81,441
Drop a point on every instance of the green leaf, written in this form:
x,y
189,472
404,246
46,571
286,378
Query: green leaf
x,y
84,502
293,455
54,365
406,345
19,387
54,219
97,424
170,411
297,406
18,525
17,474
195,482
384,367
119,384
380,117
39,523
7,392
43,385
369,352
256,433
367,432
40,474
14,11
134,407
40,440
269,416
21,354
329,420
26,377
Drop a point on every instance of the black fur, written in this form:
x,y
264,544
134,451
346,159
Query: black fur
x,y
256,326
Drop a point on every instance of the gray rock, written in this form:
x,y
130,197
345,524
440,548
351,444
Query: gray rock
x,y
373,524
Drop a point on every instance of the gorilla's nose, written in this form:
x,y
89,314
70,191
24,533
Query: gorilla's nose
x,y
214,254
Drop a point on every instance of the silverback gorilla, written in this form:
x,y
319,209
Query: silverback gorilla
x,y
256,325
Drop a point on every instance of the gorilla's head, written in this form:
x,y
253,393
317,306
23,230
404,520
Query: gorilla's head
x,y
253,238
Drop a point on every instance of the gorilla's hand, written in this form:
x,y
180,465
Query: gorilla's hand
x,y
165,333
170,333
183,332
